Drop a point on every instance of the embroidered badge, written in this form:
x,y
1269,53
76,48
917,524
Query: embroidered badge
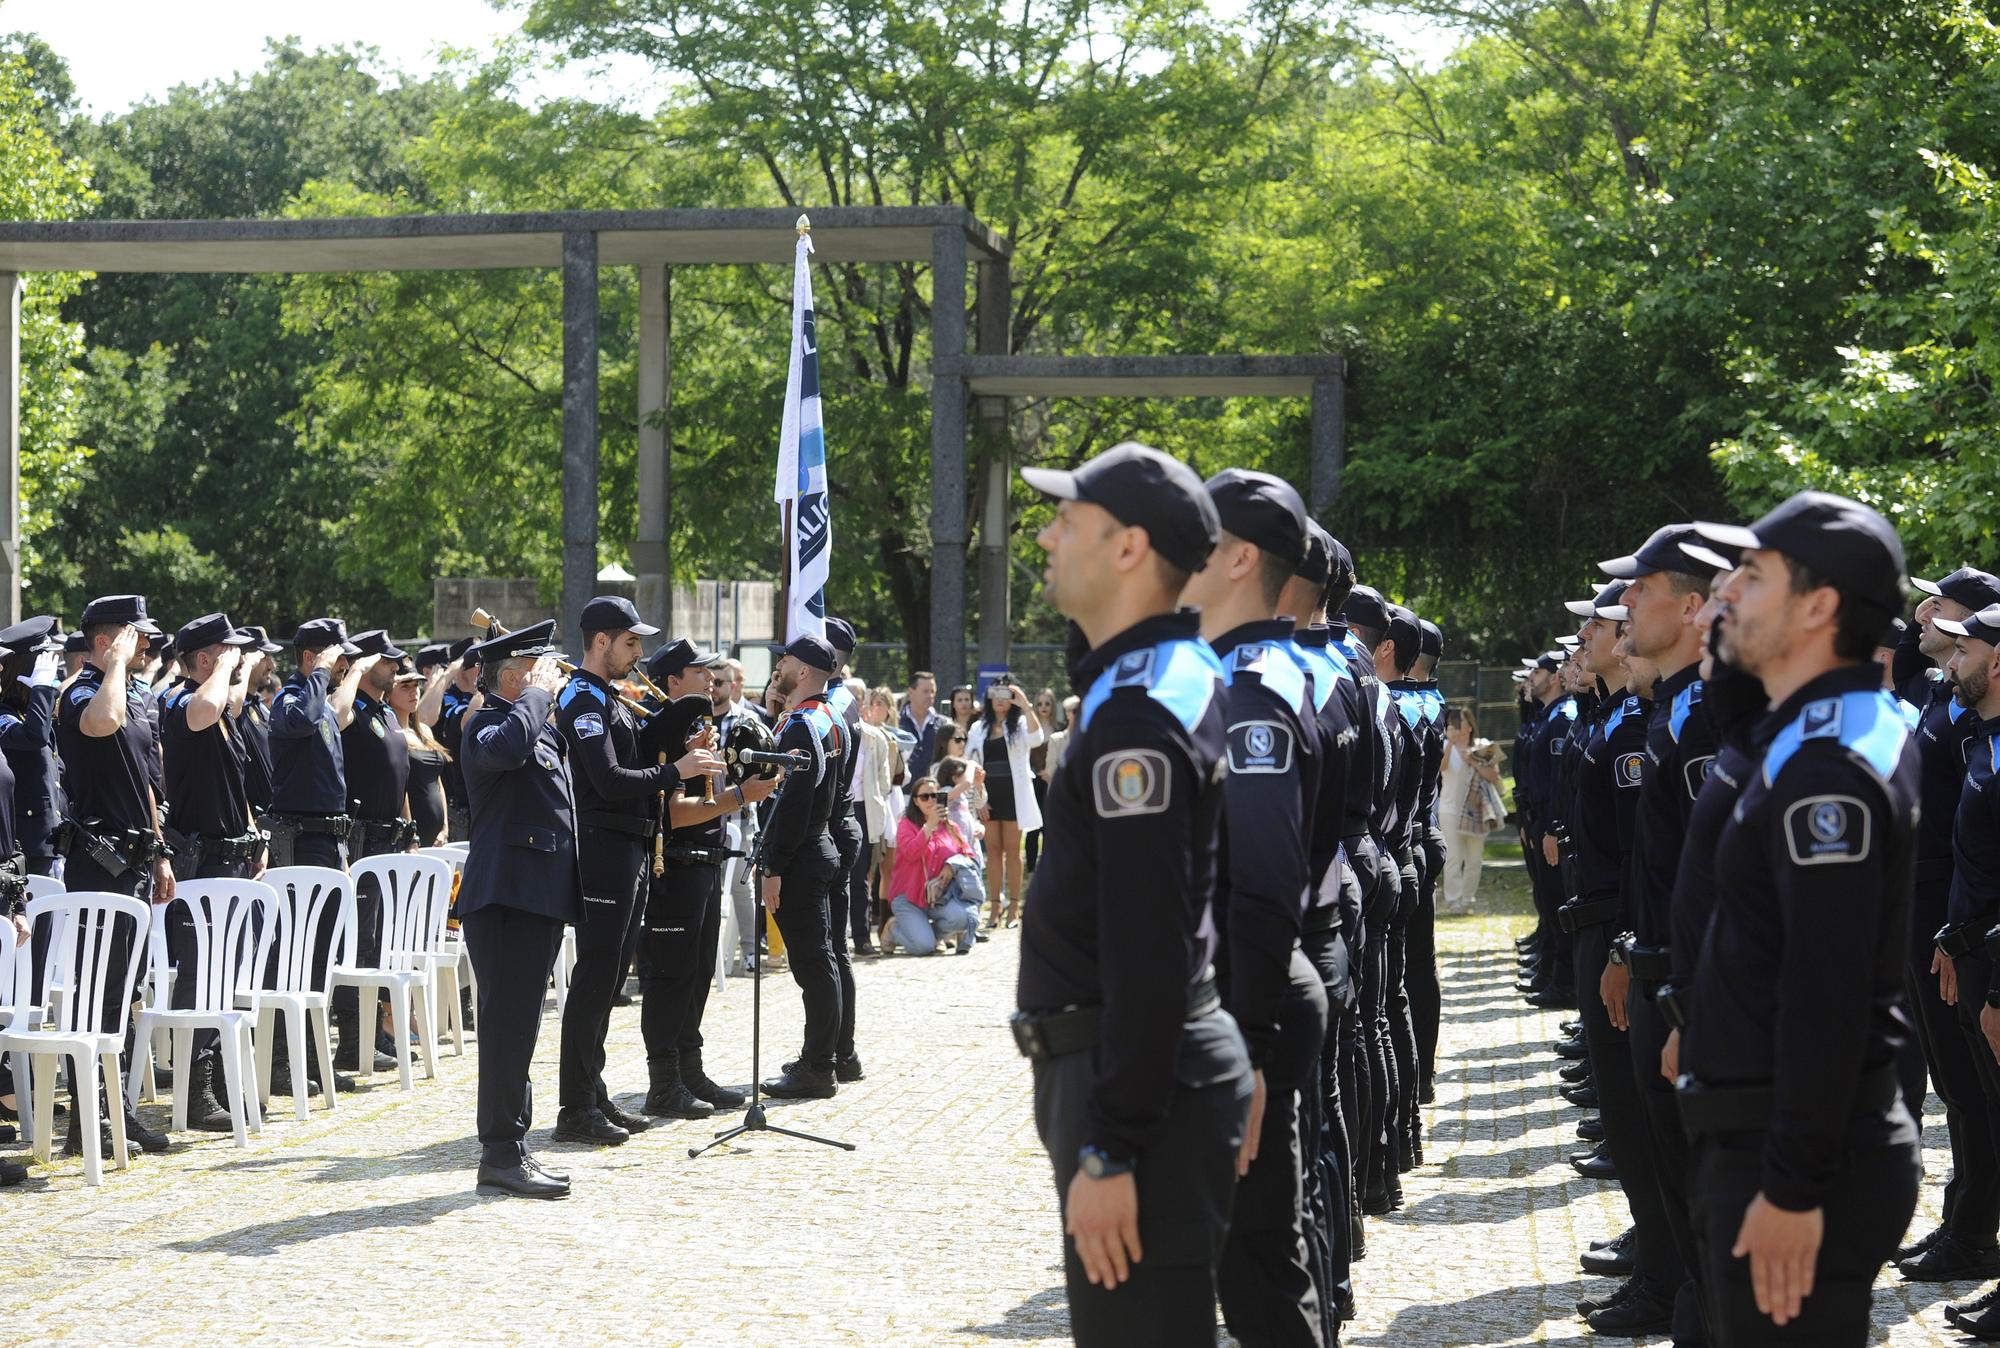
x,y
1821,830
1260,746
1130,782
589,726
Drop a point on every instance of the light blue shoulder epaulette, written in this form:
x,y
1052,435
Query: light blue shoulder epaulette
x,y
1433,701
1181,675
1325,665
1628,707
1685,702
574,688
1411,705
1280,673
1866,723
1566,709
1912,713
840,698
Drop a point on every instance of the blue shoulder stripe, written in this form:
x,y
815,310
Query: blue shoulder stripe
x,y
1626,708
1685,702
1280,673
1867,724
1411,705
1913,713
1181,675
1566,709
575,688
1320,667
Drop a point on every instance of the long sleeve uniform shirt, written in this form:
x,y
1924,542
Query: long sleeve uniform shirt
x,y
1680,745
308,773
1604,818
606,761
811,794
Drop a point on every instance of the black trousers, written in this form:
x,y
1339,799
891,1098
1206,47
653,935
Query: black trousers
x,y
1557,967
677,959
854,872
343,1010
824,980
845,834
1186,1179
1381,893
1972,1193
613,866
182,949
1672,1162
1265,1277
513,952
1420,953
1323,1125
1975,975
1866,1214
1627,1136
1402,1121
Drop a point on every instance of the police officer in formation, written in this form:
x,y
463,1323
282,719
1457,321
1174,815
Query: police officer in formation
x,y
32,671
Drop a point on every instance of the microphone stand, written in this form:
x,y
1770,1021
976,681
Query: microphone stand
x,y
754,1120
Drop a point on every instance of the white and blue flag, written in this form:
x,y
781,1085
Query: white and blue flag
x,y
802,463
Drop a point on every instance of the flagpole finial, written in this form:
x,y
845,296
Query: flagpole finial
x,y
805,225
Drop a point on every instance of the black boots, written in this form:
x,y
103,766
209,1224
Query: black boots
x,y
701,1088
669,1097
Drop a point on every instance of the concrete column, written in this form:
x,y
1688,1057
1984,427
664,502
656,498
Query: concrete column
x,y
579,429
1329,442
995,310
656,382
948,533
10,446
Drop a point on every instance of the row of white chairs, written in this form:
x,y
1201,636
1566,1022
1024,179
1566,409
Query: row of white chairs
x,y
253,961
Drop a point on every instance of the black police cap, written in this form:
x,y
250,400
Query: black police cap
x,y
1403,627
262,640
679,655
1316,566
164,649
29,633
76,644
1552,661
814,652
1145,489
840,635
120,608
375,641
1846,542
317,634
1981,626
615,613
1366,606
1432,643
461,650
1594,607
1262,509
536,639
210,629
1968,585
1661,552
1892,635
432,654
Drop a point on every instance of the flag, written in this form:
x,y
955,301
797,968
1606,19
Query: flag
x,y
802,464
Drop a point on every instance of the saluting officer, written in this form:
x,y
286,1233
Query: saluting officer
x,y
252,722
801,861
375,759
1263,875
519,888
1806,1166
1142,1080
444,707
33,668
308,774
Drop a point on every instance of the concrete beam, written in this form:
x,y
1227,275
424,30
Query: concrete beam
x,y
995,307
579,430
1146,376
1329,442
948,532
654,593
10,446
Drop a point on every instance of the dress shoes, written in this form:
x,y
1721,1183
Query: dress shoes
x,y
1591,1129
1583,1097
1642,1313
1615,1260
1571,1027
534,1163
1918,1246
348,1059
588,1125
1985,1301
1573,1049
1592,1305
673,1100
11,1173
1553,999
1950,1259
1575,1070
1594,1165
802,1084
631,1123
522,1181
1624,1237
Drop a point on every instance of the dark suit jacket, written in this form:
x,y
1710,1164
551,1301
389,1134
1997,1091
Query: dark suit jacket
x,y
523,852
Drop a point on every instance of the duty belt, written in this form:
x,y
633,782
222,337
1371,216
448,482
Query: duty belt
x,y
1041,1035
701,856
639,826
1966,938
395,833
13,883
1575,917
199,848
131,849
1748,1109
339,825
1649,964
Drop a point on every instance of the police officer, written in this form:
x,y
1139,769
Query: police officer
x,y
375,759
252,721
1553,981
444,707
1142,1080
801,862
850,812
33,668
1962,1244
212,831
1404,643
1263,881
519,888
1806,1165
684,913
105,739
1427,848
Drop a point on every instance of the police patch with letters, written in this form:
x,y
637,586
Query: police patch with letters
x,y
1131,782
589,726
1630,770
1696,770
1260,746
1821,830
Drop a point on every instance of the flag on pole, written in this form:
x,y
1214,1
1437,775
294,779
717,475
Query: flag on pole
x,y
802,463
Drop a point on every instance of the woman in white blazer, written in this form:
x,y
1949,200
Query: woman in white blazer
x,y
1007,728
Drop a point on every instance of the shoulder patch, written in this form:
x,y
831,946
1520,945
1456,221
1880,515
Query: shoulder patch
x,y
1131,781
81,693
588,726
1260,746
1825,830
1696,771
1629,770
1133,667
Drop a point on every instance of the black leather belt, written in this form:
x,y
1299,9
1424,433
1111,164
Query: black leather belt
x,y
1575,917
635,825
1748,1109
701,856
339,825
1041,1035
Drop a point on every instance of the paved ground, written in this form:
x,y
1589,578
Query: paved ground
x,y
364,1227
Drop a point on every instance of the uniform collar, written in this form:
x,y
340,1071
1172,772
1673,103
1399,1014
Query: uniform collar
x,y
588,677
1261,629
1319,635
1666,689
1861,678
1184,625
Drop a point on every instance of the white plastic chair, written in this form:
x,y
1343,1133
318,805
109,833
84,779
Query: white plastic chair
x,y
82,937
279,977
226,916
18,1008
449,1016
416,899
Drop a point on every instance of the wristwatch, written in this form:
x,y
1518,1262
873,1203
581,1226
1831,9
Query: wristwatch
x,y
1616,954
1100,1164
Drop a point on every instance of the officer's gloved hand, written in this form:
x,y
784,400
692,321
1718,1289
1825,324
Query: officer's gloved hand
x,y
47,672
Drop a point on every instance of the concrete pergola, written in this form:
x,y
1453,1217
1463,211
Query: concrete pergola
x,y
580,243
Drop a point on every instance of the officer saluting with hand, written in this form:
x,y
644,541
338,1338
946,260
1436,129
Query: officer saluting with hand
x,y
1805,1158
1142,1081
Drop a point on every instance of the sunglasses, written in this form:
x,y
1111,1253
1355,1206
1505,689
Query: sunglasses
x,y
929,795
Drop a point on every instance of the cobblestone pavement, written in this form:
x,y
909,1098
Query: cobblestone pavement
x,y
364,1227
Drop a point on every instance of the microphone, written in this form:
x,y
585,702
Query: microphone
x,y
762,758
